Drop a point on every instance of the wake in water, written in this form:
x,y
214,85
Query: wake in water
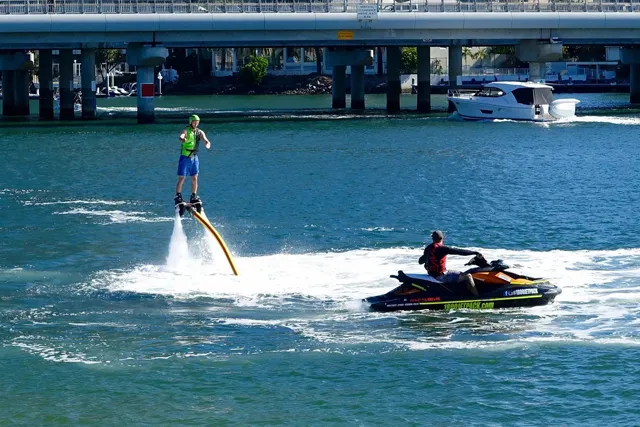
x,y
103,212
584,276
626,121
311,302
600,298
318,295
613,120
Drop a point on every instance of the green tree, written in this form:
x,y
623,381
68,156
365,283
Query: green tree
x,y
436,67
466,53
409,56
108,59
502,50
254,70
509,53
479,55
111,58
584,53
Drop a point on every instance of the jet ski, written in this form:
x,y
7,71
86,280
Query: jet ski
x,y
496,285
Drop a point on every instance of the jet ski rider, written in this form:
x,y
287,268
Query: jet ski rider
x,y
435,262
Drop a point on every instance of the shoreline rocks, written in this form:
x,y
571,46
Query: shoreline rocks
x,y
312,84
316,84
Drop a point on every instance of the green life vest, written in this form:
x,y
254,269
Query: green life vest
x,y
191,142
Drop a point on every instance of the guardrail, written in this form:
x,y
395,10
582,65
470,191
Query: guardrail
x,y
36,7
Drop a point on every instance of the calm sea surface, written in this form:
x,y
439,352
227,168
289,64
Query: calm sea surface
x,y
112,312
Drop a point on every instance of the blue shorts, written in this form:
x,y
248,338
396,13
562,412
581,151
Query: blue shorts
x,y
188,166
449,277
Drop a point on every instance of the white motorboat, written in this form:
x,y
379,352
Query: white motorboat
x,y
512,100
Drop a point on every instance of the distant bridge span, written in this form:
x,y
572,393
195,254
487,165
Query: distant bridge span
x,y
36,31
146,28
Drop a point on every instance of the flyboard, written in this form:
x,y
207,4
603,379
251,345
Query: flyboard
x,y
207,225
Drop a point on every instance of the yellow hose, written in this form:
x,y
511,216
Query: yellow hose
x,y
213,231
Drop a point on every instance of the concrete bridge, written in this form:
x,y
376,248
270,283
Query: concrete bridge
x,y
348,30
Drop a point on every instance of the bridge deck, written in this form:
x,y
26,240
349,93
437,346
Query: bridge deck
x,y
24,7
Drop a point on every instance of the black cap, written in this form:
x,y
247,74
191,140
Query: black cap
x,y
437,235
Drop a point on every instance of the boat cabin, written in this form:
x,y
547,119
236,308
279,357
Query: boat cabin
x,y
524,93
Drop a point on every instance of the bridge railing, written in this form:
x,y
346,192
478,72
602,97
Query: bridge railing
x,y
302,6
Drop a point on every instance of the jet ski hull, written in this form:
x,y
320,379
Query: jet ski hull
x,y
426,301
420,292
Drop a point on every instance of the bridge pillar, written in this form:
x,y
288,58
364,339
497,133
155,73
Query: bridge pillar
x,y
631,56
46,85
424,79
88,72
146,93
634,86
536,54
15,82
536,71
455,70
145,58
8,93
234,57
66,85
338,87
21,92
357,87
339,59
393,78
455,65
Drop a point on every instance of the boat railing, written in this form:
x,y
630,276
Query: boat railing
x,y
455,93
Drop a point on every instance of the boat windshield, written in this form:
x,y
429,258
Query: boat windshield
x,y
490,92
542,96
530,96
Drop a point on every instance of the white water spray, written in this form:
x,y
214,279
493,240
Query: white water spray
x,y
178,249
198,255
213,248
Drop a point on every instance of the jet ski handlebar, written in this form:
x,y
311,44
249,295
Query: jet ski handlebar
x,y
478,260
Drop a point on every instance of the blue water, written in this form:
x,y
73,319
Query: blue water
x,y
112,312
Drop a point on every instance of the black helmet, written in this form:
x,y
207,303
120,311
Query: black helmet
x,y
437,235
